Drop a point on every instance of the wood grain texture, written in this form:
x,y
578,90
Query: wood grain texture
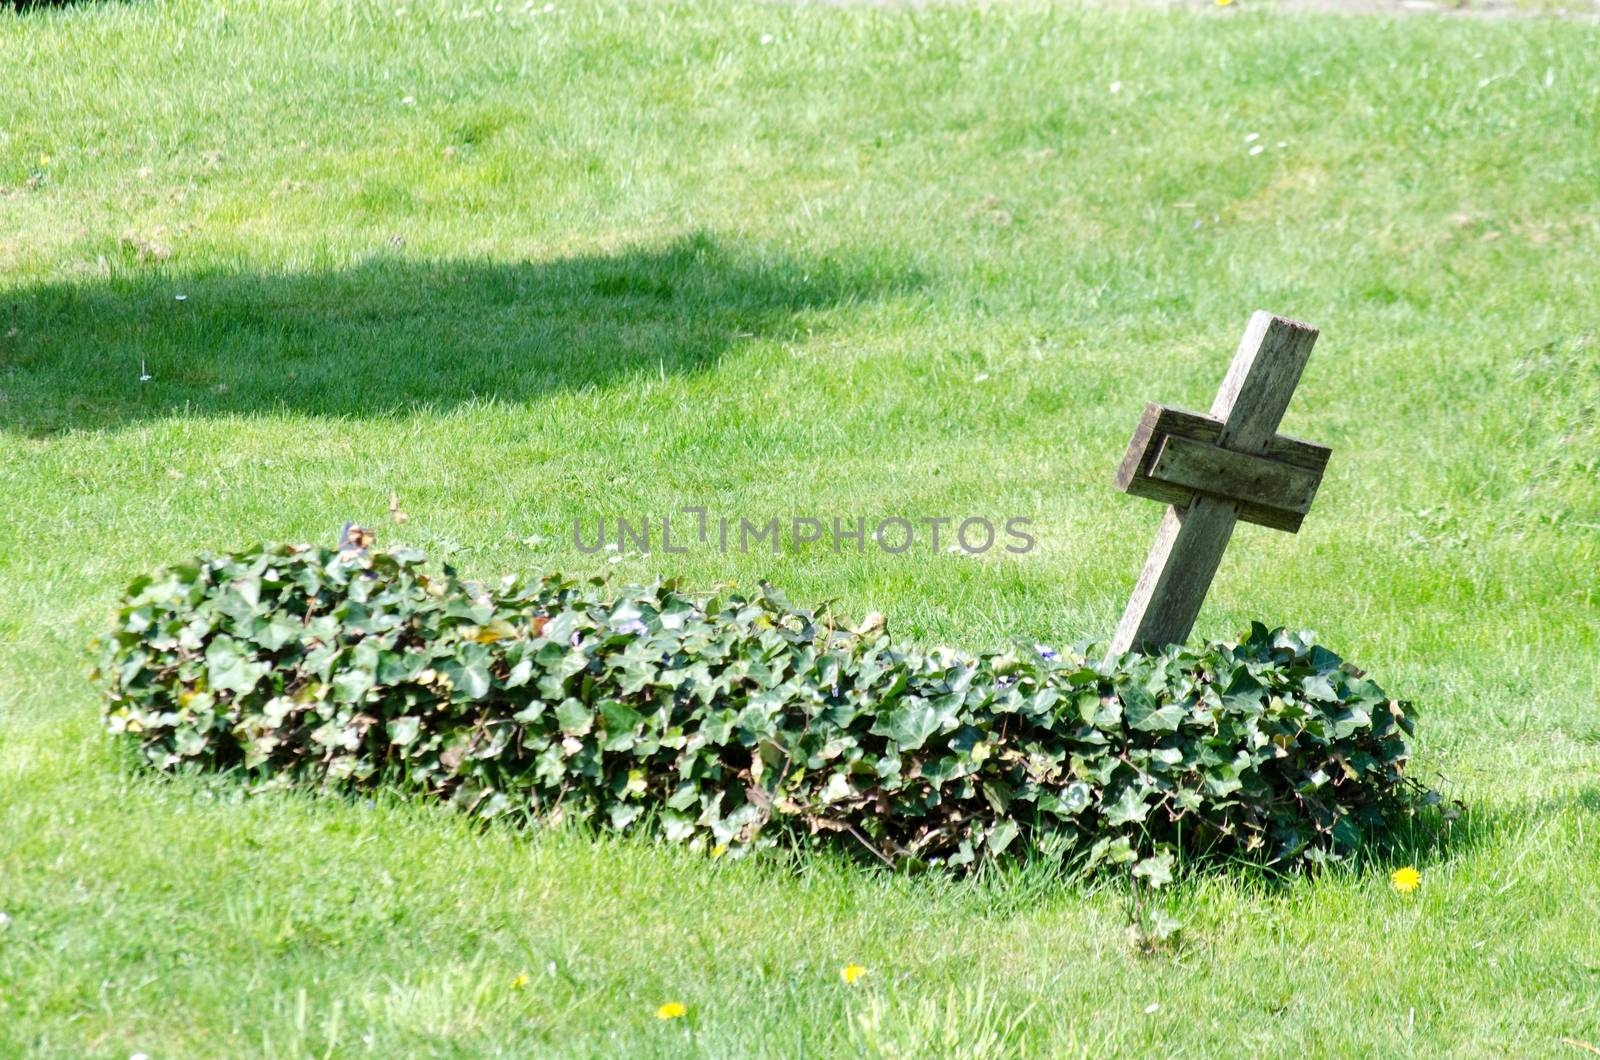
x,y
1235,476
1191,541
1255,393
1166,601
1157,420
1160,422
1182,496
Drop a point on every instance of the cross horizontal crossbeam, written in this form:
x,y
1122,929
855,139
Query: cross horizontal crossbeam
x,y
1174,455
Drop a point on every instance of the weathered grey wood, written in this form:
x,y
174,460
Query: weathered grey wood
x,y
1183,496
1235,476
1136,474
1265,370
1157,421
1192,539
1166,601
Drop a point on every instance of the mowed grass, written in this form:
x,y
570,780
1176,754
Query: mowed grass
x,y
520,266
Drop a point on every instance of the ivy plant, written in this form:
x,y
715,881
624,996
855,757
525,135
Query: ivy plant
x,y
729,721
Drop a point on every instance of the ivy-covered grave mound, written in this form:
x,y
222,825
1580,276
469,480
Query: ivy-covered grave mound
x,y
732,721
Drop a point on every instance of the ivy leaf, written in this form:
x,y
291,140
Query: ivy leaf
x,y
838,787
403,730
1317,686
574,718
1127,808
910,724
1155,870
1002,835
1244,693
352,684
470,673
1140,709
230,669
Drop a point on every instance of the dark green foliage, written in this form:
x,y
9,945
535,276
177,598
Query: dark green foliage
x,y
726,721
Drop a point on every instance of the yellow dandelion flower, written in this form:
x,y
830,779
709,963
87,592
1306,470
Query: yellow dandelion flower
x,y
1224,3
851,972
671,1010
519,982
44,160
1405,880
719,850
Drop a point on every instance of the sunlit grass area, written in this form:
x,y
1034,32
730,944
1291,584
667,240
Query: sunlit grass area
x,y
264,265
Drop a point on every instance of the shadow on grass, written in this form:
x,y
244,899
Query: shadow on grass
x,y
1432,836
393,335
29,7
1014,886
1428,838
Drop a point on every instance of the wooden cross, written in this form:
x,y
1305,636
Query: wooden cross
x,y
1215,470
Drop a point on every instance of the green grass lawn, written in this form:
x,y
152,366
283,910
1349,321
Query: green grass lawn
x,y
520,265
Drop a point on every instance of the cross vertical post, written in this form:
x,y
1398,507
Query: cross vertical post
x,y
1213,471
